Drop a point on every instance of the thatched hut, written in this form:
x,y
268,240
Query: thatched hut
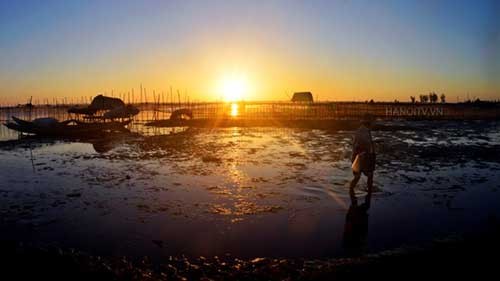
x,y
302,97
114,108
106,103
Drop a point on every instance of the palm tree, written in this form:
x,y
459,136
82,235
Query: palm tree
x,y
433,97
424,98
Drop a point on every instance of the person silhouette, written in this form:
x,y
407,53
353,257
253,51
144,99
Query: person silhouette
x,y
356,224
363,154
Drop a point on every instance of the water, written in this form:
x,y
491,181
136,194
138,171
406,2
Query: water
x,y
249,192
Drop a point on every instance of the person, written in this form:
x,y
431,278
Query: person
x,y
364,150
356,224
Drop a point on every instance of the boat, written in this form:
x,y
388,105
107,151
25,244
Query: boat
x,y
73,128
104,114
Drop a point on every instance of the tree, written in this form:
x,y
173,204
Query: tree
x,y
443,98
412,99
424,98
433,97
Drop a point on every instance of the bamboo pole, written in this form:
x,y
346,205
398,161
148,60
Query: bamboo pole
x,y
179,98
141,93
154,108
171,100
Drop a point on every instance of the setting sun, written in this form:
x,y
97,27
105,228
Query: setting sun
x,y
234,88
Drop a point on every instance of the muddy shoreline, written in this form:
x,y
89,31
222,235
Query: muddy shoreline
x,y
277,194
452,257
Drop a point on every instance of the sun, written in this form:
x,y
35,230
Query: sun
x,y
234,88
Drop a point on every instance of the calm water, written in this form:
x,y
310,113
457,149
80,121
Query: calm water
x,y
248,192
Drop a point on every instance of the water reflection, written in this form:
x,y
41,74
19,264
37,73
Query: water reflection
x,y
104,145
100,145
251,191
234,109
356,224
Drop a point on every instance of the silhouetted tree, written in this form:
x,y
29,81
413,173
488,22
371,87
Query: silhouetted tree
x,y
433,97
424,98
412,99
443,98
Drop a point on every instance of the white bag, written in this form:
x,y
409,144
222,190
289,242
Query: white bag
x,y
356,165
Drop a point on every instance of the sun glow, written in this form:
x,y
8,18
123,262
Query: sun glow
x,y
234,109
234,88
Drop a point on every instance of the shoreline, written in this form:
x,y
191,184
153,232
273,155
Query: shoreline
x,y
446,258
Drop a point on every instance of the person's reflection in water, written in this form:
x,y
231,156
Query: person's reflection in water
x,y
356,224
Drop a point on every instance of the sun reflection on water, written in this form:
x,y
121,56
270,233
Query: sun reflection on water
x,y
234,110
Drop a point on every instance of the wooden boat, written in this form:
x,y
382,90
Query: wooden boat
x,y
66,128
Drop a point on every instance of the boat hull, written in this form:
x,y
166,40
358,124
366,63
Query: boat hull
x,y
63,129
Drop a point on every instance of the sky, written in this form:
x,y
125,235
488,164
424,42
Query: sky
x,y
339,50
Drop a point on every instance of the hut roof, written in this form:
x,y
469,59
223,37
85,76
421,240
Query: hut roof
x,y
302,97
100,103
106,103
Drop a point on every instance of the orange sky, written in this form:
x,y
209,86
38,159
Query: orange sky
x,y
339,50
